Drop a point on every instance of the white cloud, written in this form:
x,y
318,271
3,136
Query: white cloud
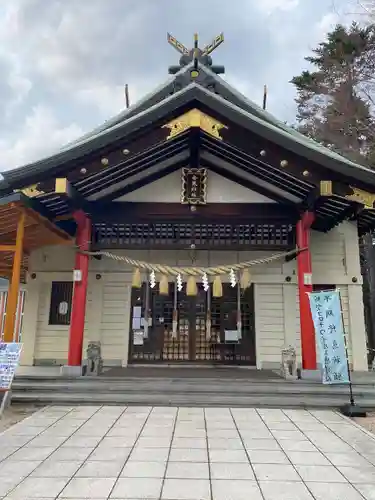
x,y
67,61
40,135
270,6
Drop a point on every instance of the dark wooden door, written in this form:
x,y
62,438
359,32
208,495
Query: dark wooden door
x,y
192,342
224,317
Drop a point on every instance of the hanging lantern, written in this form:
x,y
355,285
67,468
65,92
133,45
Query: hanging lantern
x,y
245,279
217,287
137,279
164,285
191,287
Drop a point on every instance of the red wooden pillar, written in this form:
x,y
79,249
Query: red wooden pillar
x,y
77,320
305,287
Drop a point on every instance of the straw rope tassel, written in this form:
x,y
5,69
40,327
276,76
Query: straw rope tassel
x,y
137,279
217,287
245,279
191,287
164,285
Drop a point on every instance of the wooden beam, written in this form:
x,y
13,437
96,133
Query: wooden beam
x,y
349,193
129,188
11,309
141,211
7,248
70,194
48,225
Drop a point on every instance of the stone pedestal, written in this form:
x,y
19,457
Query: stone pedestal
x,y
71,371
313,375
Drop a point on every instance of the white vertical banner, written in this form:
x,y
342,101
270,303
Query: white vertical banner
x,y
329,330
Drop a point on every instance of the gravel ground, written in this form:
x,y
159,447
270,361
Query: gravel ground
x,y
368,422
16,413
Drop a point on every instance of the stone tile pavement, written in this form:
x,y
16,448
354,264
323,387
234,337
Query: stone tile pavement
x,y
186,454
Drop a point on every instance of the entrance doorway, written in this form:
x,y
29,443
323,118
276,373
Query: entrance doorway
x,y
192,341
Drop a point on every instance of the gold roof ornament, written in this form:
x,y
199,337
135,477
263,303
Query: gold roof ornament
x,y
30,191
195,118
360,196
357,195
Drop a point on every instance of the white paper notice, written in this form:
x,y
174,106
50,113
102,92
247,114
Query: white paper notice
x,y
136,324
138,337
231,335
137,312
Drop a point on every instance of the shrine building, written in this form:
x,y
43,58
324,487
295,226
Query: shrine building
x,y
189,228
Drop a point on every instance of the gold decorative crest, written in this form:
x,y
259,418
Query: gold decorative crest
x,y
195,118
326,188
357,195
360,196
30,191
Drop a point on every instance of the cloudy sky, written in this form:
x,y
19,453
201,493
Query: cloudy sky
x,y
64,63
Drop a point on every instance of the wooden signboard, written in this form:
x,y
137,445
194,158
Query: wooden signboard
x,y
194,186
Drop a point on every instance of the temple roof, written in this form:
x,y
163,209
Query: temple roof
x,y
207,89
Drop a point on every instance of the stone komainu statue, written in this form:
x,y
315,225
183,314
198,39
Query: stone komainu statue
x,y
94,361
289,362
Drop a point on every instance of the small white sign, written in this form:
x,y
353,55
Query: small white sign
x,y
138,338
307,279
63,308
77,275
231,335
9,359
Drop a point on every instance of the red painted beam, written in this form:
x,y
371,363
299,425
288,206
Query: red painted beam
x,y
304,270
77,320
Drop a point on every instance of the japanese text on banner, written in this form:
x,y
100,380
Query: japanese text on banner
x,y
329,330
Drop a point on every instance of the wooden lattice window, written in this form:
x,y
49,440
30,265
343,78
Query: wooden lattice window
x,y
61,303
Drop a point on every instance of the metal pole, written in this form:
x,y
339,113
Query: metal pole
x,y
127,102
351,410
346,353
265,97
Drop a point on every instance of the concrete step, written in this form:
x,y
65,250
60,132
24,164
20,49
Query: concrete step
x,y
188,392
210,400
191,385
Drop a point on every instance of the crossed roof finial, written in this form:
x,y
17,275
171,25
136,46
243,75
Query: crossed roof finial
x,y
196,53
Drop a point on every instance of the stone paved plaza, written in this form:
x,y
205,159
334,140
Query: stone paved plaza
x,y
186,453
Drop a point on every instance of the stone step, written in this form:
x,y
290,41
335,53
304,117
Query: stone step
x,y
192,385
212,400
187,392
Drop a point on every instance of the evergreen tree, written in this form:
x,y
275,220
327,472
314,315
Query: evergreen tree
x,y
335,100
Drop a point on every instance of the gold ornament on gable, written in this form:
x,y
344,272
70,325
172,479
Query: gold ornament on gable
x,y
357,195
360,196
30,191
195,118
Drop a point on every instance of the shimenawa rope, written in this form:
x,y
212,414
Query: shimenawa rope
x,y
192,270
